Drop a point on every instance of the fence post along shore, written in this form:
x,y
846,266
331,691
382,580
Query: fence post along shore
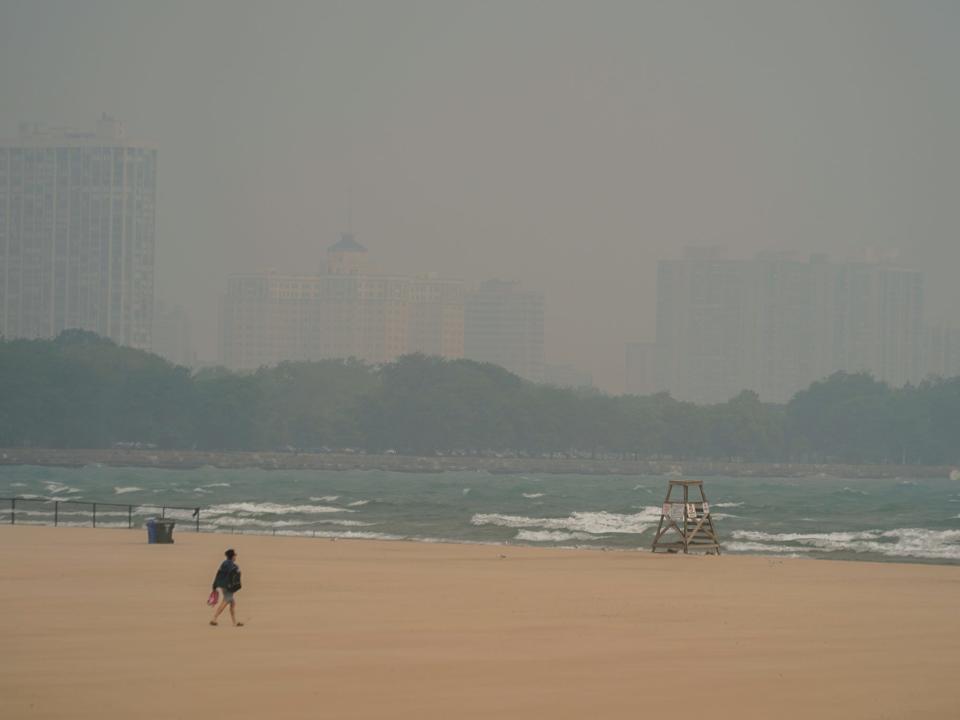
x,y
40,509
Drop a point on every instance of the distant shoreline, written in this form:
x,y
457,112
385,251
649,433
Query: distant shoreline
x,y
190,460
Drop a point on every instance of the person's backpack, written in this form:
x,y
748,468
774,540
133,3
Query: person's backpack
x,y
233,579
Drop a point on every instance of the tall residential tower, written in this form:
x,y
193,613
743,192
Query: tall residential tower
x,y
77,233
775,324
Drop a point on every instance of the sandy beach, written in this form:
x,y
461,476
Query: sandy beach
x,y
98,624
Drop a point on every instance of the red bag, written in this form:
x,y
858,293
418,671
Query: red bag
x,y
214,597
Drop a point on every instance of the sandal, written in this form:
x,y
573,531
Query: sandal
x,y
213,622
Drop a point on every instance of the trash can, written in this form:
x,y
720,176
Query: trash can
x,y
164,531
151,524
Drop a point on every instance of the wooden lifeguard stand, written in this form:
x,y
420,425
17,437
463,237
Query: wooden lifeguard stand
x,y
689,516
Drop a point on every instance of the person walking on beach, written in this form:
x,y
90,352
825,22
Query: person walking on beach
x,y
228,581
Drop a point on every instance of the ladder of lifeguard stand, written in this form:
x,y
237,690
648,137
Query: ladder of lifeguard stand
x,y
690,518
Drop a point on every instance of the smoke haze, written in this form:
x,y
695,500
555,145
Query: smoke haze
x,y
569,145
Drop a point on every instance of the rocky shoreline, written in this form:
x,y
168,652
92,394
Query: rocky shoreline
x,y
187,460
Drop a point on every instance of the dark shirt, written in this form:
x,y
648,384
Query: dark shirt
x,y
227,576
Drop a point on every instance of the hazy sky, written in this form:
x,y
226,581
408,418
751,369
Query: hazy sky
x,y
569,145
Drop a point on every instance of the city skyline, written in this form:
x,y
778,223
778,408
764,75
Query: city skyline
x,y
481,141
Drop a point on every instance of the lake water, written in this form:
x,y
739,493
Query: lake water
x,y
892,520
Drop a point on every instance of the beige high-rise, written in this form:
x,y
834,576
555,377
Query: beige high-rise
x,y
347,312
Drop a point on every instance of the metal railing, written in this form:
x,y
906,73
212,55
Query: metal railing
x,y
45,511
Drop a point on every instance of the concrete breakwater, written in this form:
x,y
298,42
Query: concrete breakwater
x,y
186,460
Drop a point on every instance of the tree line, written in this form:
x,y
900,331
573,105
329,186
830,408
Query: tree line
x,y
83,391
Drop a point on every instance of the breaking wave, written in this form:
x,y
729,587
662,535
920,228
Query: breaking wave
x,y
595,523
55,487
341,534
761,549
231,521
552,536
271,509
897,543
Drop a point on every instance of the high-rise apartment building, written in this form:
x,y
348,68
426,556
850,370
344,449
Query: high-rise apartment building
x,y
267,318
503,324
775,324
77,233
705,325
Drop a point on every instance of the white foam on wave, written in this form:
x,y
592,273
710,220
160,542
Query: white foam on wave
x,y
595,523
231,521
325,498
216,484
271,509
466,491
56,488
531,496
341,534
752,547
728,504
125,490
552,536
18,484
900,542
358,503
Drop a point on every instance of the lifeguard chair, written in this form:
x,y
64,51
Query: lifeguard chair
x,y
685,522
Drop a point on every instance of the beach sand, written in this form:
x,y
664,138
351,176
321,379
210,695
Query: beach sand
x,y
98,624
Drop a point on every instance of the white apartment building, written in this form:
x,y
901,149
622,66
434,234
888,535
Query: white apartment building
x,y
77,233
